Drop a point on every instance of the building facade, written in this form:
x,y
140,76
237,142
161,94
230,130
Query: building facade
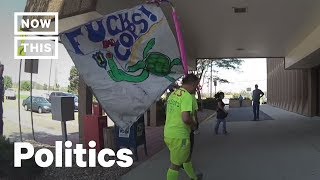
x,y
295,90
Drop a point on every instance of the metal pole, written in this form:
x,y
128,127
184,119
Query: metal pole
x,y
50,75
211,81
215,89
19,101
64,131
31,100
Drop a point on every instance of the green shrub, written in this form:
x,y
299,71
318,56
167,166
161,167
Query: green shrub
x,y
235,97
29,168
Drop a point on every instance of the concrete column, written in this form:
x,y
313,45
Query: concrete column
x,y
286,89
305,93
292,90
85,106
318,91
269,81
297,92
282,85
301,95
312,92
153,115
276,84
147,118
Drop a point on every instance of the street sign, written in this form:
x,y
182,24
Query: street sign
x,y
31,66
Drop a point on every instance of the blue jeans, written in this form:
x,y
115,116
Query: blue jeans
x,y
216,129
256,109
1,119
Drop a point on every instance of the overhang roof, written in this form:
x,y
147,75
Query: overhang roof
x,y
270,28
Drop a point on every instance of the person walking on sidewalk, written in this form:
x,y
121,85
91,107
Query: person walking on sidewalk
x,y
240,100
256,95
177,129
1,98
221,114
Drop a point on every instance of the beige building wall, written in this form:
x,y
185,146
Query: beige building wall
x,y
293,90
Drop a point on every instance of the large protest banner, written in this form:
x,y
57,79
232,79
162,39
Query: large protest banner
x,y
128,59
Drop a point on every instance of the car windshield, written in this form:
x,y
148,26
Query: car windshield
x,y
41,100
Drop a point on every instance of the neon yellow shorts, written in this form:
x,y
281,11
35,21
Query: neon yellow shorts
x,y
179,150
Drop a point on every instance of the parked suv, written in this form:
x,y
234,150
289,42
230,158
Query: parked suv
x,y
53,94
76,100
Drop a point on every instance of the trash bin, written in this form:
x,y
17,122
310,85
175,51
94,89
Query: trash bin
x,y
94,125
132,137
93,130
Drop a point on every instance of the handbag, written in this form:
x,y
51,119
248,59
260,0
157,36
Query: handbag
x,y
221,114
224,115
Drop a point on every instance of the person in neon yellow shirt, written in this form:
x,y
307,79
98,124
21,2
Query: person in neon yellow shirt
x,y
179,123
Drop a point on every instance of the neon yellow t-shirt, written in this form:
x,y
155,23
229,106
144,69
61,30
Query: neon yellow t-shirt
x,y
179,101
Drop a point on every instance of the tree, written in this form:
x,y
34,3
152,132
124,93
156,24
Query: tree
x,y
245,94
36,85
7,82
204,66
74,80
25,86
63,89
45,87
207,70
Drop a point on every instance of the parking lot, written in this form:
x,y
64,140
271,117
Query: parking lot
x,y
44,126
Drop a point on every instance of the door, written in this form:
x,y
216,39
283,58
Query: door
x,y
27,103
34,104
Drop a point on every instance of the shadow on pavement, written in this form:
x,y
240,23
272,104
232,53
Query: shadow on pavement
x,y
245,114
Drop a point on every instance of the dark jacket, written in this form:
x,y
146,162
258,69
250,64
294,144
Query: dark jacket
x,y
220,113
1,88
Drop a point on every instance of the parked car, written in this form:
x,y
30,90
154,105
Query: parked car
x,y
39,104
46,95
10,94
76,100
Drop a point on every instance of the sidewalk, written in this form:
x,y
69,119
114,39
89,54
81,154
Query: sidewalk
x,y
286,148
155,141
46,137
